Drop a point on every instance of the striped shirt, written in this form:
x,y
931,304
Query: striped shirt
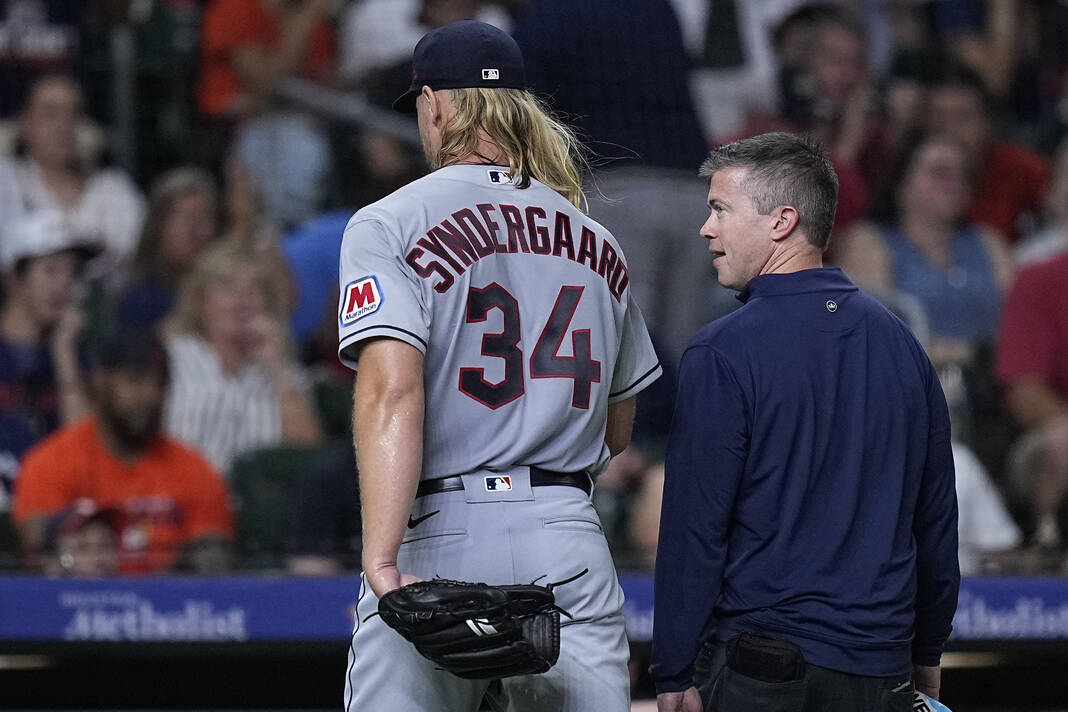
x,y
219,414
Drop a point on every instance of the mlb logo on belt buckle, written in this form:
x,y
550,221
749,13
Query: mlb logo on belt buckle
x,y
498,483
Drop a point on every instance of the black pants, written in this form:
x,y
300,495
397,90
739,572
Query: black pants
x,y
819,690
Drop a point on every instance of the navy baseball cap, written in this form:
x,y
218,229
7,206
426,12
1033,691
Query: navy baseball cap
x,y
464,54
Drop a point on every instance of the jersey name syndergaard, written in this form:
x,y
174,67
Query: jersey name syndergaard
x,y
471,236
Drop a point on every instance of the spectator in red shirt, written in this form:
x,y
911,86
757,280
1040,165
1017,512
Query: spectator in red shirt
x,y
826,93
176,510
1010,181
1032,364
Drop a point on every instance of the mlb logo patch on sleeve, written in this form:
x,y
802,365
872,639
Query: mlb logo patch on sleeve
x,y
359,299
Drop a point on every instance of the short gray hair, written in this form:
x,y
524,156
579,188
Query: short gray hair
x,y
784,170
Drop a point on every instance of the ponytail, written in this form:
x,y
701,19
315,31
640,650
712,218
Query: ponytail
x,y
535,144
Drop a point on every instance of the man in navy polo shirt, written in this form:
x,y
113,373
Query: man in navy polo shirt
x,y
808,541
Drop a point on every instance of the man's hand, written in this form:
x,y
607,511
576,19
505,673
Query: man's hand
x,y
386,577
927,680
686,701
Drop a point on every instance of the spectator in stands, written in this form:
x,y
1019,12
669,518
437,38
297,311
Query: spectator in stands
x,y
377,38
734,66
40,379
618,73
826,92
1032,365
248,46
985,37
246,224
51,171
1011,182
904,96
16,437
248,49
919,245
182,220
41,36
288,159
176,508
236,384
83,541
1052,239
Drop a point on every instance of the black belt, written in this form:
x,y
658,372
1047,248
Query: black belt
x,y
538,478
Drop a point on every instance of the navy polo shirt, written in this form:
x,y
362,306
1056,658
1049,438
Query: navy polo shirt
x,y
809,489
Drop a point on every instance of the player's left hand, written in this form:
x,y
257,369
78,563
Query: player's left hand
x,y
686,701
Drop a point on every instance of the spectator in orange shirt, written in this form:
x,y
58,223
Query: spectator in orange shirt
x,y
248,46
1010,181
176,512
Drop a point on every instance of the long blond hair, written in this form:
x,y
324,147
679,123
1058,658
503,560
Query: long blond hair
x,y
215,265
535,144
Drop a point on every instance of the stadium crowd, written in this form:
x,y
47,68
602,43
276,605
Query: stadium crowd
x,y
170,396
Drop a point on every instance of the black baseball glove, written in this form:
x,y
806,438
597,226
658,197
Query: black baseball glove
x,y
477,631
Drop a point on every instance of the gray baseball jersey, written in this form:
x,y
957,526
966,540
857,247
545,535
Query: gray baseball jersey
x,y
520,305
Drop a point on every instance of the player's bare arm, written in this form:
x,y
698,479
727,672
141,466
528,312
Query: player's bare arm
x,y
388,432
620,423
475,461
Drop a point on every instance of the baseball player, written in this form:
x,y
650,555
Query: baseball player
x,y
498,353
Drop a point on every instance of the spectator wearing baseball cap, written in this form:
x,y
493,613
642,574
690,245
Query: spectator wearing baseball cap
x,y
83,540
176,509
40,261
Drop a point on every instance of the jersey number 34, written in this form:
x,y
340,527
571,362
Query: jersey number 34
x,y
545,361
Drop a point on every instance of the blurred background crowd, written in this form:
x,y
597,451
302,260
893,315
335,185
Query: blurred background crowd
x,y
175,177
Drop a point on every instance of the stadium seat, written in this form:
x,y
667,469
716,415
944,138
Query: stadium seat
x,y
295,500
